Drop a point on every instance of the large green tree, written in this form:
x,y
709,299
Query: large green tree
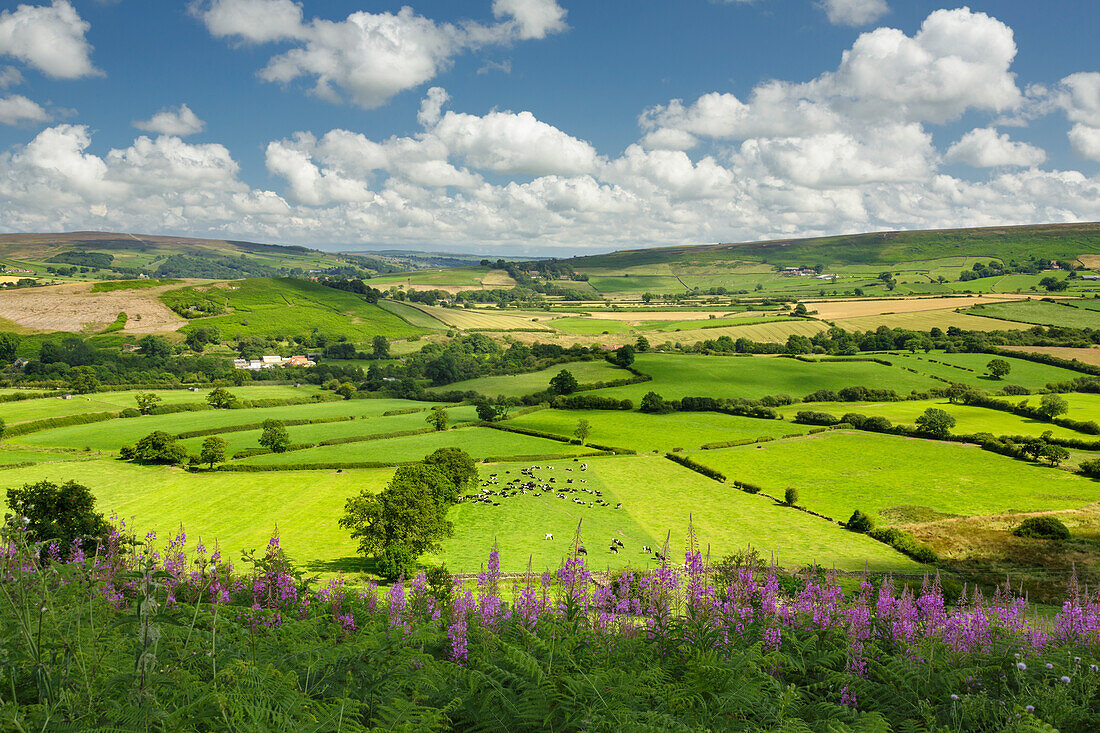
x,y
563,383
1053,405
274,436
220,398
59,512
213,450
83,380
457,465
156,447
405,519
935,421
998,368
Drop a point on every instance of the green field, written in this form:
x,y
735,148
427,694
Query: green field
x,y
115,433
586,372
968,419
676,376
589,326
838,472
972,369
658,497
285,306
663,433
480,443
37,409
1041,312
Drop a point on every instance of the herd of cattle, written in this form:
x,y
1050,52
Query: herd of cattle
x,y
528,484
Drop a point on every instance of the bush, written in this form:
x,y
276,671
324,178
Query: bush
x,y
860,522
812,417
1090,468
790,496
904,543
130,412
1042,528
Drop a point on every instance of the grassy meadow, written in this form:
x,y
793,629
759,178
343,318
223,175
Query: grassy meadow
x,y
838,472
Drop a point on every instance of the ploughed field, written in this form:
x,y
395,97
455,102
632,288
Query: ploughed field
x,y
538,479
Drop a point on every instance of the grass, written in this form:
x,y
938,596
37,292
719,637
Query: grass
x,y
360,427
282,306
676,376
125,431
114,285
643,433
481,319
589,326
413,316
926,321
1040,312
586,372
236,510
37,409
478,442
775,330
608,284
968,419
971,369
659,498
838,472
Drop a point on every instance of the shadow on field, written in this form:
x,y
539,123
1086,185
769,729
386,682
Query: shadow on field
x,y
353,564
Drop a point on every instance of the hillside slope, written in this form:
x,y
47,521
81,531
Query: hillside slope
x,y
1051,241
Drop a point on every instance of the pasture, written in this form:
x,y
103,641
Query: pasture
x,y
838,472
972,369
1063,313
480,443
676,376
926,321
586,372
37,409
113,434
285,306
655,433
480,319
968,419
659,498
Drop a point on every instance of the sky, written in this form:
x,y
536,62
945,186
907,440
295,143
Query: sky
x,y
545,127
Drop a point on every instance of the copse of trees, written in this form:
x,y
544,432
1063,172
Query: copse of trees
x,y
156,447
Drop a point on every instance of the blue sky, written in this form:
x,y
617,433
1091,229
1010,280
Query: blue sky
x,y
545,125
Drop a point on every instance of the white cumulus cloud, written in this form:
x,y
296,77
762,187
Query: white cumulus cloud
x,y
1085,141
983,147
370,57
48,37
180,121
16,108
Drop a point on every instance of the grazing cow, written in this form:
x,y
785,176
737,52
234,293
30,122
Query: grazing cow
x,y
549,536
646,548
614,549
619,505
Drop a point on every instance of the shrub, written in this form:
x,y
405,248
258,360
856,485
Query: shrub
x,y
1090,468
790,496
1042,528
860,522
812,417
130,412
61,512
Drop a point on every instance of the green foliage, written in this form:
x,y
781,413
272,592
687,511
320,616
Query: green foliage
x,y
61,512
653,404
147,401
1053,405
563,383
214,450
935,421
583,430
9,344
405,519
274,436
158,447
622,356
860,522
1042,528
998,368
457,465
83,380
380,347
437,418
220,398
790,496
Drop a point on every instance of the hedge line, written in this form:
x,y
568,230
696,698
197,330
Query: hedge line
x,y
20,396
590,402
611,450
531,432
904,543
62,421
375,436
404,411
1049,360
258,426
697,467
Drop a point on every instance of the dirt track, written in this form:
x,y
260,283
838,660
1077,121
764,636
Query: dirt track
x,y
75,308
